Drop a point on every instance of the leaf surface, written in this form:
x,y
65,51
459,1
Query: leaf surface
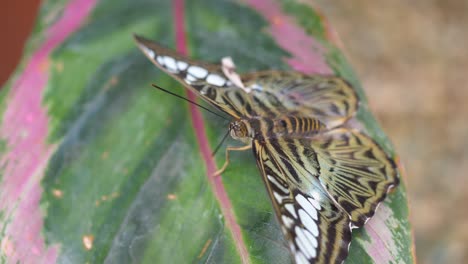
x,y
99,167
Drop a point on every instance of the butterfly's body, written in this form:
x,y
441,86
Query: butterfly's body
x,y
323,177
264,128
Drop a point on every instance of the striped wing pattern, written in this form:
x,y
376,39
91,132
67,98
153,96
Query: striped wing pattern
x,y
328,98
317,231
354,170
323,178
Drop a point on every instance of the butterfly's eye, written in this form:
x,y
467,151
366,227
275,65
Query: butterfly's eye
x,y
239,130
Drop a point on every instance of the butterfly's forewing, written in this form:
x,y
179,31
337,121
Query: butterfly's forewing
x,y
317,231
355,171
329,98
205,79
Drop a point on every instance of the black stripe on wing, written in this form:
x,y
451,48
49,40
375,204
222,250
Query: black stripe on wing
x,y
317,231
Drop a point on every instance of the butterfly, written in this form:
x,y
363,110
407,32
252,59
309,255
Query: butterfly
x,y
324,178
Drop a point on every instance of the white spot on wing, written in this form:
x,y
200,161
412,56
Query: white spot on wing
x,y
182,65
197,72
308,222
277,184
302,247
306,242
278,197
148,51
160,60
315,203
170,63
305,203
311,239
292,248
290,209
300,259
189,79
215,79
316,195
313,253
287,221
313,213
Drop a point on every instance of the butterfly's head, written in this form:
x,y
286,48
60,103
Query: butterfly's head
x,y
240,130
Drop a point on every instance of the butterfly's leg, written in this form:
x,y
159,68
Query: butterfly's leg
x,y
226,163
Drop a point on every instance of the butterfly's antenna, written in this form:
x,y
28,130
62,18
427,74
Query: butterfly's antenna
x,y
221,143
188,100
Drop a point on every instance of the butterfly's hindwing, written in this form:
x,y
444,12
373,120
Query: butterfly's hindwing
x,y
328,98
355,171
316,230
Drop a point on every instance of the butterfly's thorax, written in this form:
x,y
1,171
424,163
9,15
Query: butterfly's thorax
x,y
261,128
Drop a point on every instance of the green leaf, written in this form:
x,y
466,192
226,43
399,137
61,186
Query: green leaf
x,y
99,167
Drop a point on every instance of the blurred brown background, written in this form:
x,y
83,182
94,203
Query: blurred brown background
x,y
412,59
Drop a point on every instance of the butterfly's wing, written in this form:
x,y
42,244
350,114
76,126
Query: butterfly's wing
x,y
354,170
323,185
316,230
329,98
205,79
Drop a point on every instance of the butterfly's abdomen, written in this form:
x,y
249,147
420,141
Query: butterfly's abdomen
x,y
286,125
292,125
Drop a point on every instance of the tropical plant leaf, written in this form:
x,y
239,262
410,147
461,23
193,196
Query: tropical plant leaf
x,y
99,167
